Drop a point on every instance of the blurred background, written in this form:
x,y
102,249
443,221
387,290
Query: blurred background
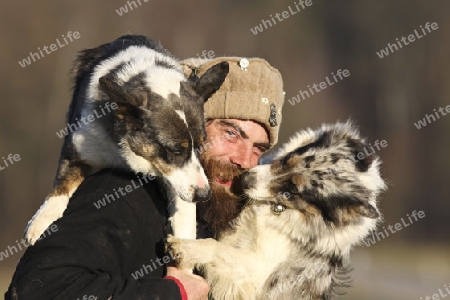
x,y
384,96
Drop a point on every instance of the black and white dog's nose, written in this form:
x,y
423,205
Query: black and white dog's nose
x,y
202,195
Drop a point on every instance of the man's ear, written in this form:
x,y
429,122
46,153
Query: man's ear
x,y
118,93
211,80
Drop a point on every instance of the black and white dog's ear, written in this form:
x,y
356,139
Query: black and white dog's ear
x,y
211,80
114,91
117,93
128,117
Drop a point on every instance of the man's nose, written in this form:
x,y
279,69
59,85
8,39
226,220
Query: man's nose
x,y
244,157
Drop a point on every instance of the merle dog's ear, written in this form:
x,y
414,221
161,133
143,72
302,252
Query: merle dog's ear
x,y
118,93
211,80
358,147
367,210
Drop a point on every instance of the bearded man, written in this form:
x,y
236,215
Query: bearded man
x,y
117,252
242,121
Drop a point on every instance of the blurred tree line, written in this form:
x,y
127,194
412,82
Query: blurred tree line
x,y
384,96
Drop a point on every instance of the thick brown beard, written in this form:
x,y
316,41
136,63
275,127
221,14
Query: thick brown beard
x,y
215,215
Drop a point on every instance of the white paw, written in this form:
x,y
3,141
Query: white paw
x,y
191,253
52,209
173,246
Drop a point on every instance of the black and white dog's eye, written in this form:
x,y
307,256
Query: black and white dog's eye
x,y
177,151
174,150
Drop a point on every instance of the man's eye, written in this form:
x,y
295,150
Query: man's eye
x,y
262,149
259,150
232,133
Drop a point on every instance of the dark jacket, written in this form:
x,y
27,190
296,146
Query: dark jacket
x,y
95,251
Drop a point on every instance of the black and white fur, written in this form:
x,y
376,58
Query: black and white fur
x,y
157,123
306,211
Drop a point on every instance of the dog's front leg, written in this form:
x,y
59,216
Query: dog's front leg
x,y
191,253
212,254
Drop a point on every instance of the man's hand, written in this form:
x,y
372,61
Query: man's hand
x,y
196,287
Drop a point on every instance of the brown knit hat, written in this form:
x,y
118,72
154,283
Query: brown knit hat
x,y
252,90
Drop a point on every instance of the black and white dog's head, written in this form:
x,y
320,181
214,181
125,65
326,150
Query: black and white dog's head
x,y
318,188
158,122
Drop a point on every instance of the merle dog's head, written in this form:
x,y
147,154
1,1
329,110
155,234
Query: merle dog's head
x,y
317,177
158,115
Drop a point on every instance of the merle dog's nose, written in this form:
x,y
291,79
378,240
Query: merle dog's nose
x,y
247,180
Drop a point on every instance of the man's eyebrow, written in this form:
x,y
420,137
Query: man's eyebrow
x,y
265,146
235,126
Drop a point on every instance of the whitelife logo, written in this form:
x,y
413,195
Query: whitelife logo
x,y
398,226
122,191
11,250
376,144
12,158
49,49
147,269
131,4
319,87
280,17
438,296
72,127
391,48
431,118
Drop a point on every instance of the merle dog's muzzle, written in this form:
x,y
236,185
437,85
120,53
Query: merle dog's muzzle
x,y
247,180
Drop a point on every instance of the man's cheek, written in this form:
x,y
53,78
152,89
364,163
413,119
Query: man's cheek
x,y
220,147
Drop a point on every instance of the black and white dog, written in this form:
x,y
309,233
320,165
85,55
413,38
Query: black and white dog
x,y
305,212
135,110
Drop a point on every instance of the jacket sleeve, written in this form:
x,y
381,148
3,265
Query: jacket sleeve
x,y
75,283
93,254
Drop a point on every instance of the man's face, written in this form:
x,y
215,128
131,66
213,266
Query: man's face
x,y
237,142
232,147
